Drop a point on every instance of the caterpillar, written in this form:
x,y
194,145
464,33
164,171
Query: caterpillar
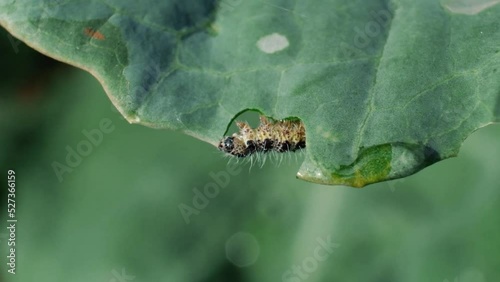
x,y
270,136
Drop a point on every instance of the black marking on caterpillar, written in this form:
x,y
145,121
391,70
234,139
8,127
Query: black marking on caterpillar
x,y
270,136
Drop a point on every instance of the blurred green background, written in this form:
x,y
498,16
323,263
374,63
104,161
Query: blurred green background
x,y
116,217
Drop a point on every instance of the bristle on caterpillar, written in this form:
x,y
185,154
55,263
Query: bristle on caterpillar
x,y
270,136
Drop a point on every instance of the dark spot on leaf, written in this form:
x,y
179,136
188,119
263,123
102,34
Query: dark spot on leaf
x,y
93,33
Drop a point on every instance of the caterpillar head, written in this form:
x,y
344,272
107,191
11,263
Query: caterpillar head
x,y
233,146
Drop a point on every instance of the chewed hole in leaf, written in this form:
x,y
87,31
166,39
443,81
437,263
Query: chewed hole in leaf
x,y
269,136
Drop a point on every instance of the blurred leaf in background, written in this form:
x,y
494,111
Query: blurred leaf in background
x,y
117,214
